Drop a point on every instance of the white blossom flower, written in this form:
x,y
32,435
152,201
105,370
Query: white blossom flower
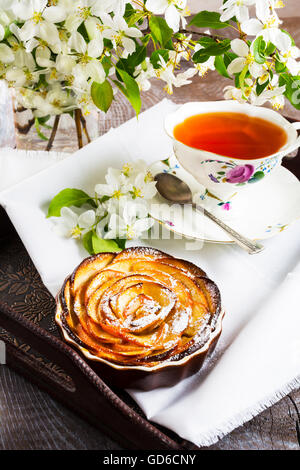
x,y
266,24
39,20
203,67
5,20
288,54
238,94
115,186
83,97
246,58
165,72
85,10
182,49
273,94
237,8
87,64
72,225
143,187
6,54
131,224
183,78
132,170
143,73
172,9
23,57
27,75
233,93
56,101
121,34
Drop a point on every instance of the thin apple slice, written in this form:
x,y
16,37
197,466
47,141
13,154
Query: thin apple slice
x,y
142,253
97,332
125,297
159,274
93,301
98,280
189,268
89,268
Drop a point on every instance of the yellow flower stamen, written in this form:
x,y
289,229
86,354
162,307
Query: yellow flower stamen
x,y
130,232
136,192
249,59
76,232
53,74
277,104
37,17
84,58
69,79
117,194
271,23
56,103
84,12
148,177
28,75
202,69
126,169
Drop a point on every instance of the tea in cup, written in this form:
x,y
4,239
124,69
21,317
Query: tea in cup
x,y
228,146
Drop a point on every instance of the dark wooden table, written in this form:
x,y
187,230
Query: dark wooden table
x,y
29,418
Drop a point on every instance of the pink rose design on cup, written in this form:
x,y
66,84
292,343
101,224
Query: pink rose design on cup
x,y
240,174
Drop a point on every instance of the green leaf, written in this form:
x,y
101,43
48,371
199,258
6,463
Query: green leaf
x,y
259,175
228,58
242,77
133,60
270,49
66,198
208,19
83,31
121,243
292,91
136,18
206,41
106,63
156,55
38,129
218,48
220,66
101,245
280,67
129,12
87,242
261,88
259,47
160,30
102,95
130,89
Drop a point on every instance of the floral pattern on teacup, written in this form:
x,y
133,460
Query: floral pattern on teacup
x,y
240,175
276,228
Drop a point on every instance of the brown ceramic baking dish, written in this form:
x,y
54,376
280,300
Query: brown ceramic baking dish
x,y
145,318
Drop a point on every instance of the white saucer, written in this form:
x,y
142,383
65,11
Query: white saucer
x,y
259,211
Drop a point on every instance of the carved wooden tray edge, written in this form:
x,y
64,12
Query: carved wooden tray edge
x,y
84,392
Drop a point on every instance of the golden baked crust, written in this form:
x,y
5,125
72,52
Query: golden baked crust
x,y
140,307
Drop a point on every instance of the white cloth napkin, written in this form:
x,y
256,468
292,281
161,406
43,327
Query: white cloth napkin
x,y
16,165
257,360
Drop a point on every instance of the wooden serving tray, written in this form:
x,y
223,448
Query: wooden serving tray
x,y
35,350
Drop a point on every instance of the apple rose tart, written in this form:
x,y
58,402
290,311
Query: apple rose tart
x,y
139,308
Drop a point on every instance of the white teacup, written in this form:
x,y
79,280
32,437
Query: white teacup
x,y
222,175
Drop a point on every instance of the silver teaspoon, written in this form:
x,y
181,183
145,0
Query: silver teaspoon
x,y
175,190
